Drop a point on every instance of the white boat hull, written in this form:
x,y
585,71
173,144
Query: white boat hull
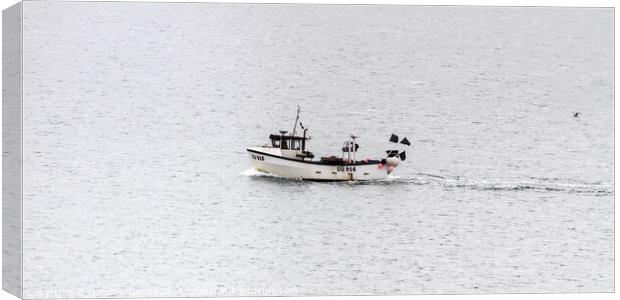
x,y
267,161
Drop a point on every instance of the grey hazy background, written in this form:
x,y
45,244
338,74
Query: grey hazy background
x,y
137,116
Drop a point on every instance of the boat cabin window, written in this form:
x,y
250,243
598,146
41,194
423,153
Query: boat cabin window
x,y
287,142
295,145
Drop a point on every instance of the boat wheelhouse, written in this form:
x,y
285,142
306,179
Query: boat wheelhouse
x,y
291,145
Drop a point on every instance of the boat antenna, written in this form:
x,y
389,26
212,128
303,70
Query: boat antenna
x,y
296,119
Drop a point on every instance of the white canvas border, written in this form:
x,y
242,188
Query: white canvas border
x,y
574,3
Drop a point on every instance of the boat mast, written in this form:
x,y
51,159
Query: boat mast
x,y
353,146
296,119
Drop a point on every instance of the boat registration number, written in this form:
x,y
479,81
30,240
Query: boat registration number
x,y
346,169
258,157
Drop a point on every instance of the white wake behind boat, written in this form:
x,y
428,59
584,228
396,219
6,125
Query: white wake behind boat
x,y
286,156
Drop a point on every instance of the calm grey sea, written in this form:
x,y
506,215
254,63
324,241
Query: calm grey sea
x,y
138,116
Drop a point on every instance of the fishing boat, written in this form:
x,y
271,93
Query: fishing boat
x,y
286,156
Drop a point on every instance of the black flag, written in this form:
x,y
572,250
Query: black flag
x,y
402,156
391,153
